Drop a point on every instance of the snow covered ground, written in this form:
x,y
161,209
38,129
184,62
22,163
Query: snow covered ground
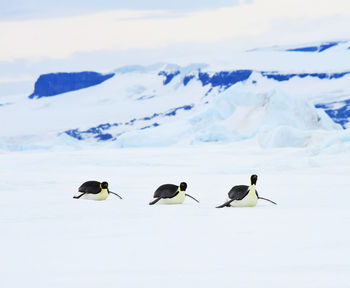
x,y
50,240
285,119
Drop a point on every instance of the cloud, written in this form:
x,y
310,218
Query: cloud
x,y
123,29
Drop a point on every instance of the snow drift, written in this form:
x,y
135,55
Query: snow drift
x,y
275,118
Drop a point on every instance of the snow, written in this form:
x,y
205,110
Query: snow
x,y
120,107
277,119
50,240
273,117
166,123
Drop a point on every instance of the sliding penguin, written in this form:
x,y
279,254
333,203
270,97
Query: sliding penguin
x,y
94,190
171,194
243,195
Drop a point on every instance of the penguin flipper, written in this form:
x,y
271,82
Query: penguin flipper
x,y
115,194
77,197
267,200
192,197
154,201
226,204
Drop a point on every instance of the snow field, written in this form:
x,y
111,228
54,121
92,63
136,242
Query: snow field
x,y
50,240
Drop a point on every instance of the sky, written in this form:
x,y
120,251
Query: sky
x,y
149,31
34,9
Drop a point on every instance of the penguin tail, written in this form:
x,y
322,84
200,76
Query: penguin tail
x,y
77,197
154,201
226,204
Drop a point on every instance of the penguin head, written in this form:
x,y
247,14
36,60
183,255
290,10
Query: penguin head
x,y
183,186
104,185
253,179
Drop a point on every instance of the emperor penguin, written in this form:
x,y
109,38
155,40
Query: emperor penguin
x,y
171,194
243,195
94,190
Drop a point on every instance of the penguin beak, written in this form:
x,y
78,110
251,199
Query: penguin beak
x,y
114,194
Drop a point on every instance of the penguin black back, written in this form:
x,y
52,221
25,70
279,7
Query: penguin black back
x,y
166,191
239,192
92,187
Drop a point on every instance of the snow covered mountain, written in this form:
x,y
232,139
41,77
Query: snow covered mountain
x,y
279,96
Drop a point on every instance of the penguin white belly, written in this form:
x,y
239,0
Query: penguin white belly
x,y
178,199
248,201
99,196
